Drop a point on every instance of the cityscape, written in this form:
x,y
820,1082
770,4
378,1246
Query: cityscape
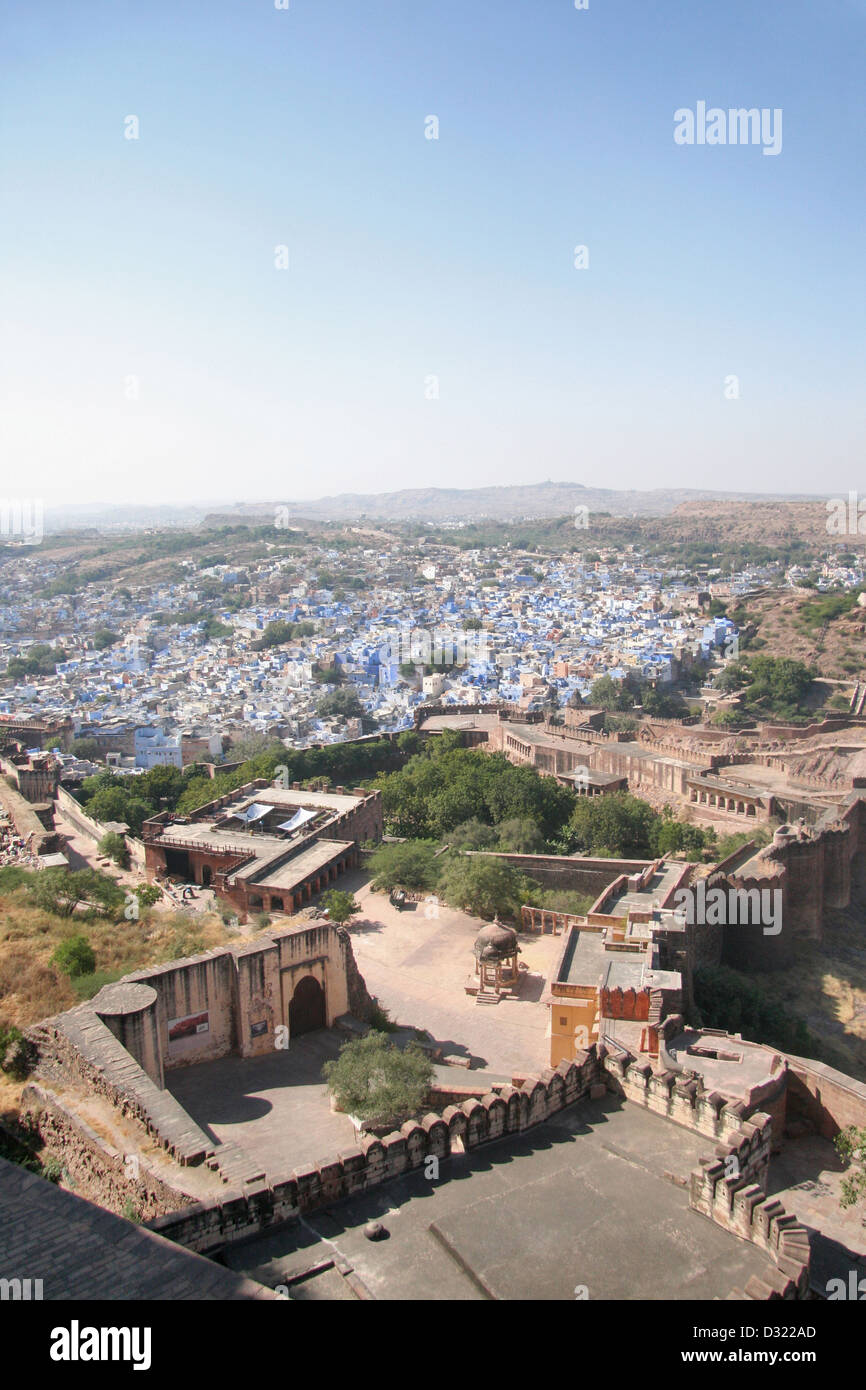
x,y
433,672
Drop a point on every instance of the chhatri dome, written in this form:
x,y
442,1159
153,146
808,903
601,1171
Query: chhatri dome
x,y
495,942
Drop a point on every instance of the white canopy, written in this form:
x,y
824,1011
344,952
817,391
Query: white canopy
x,y
298,819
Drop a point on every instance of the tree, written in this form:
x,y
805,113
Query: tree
x,y
329,675
521,836
160,784
726,999
60,891
472,834
606,694
75,956
438,791
733,677
147,894
340,905
342,703
851,1147
374,1081
411,864
87,748
483,887
277,633
114,847
618,825
104,637
662,704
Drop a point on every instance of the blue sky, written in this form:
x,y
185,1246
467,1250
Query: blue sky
x,y
151,350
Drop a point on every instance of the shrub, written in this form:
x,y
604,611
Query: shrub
x,y
340,905
114,847
16,1054
51,1169
75,956
380,1019
12,876
375,1081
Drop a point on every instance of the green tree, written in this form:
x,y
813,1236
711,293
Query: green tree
x,y
483,887
343,703
329,675
411,864
726,999
520,835
663,704
75,956
620,825
340,905
607,694
113,846
472,834
147,894
61,891
87,748
374,1081
160,786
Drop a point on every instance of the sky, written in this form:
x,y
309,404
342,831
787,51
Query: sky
x,y
430,327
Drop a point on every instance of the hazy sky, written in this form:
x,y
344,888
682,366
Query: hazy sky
x,y
153,351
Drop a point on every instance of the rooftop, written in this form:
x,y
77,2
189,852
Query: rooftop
x,y
533,1216
82,1251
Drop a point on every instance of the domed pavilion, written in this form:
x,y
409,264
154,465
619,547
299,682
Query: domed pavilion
x,y
496,951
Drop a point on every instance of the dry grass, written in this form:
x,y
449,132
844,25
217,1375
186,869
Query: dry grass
x,y
31,988
780,628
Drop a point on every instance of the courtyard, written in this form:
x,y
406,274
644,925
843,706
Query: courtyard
x,y
417,965
593,1204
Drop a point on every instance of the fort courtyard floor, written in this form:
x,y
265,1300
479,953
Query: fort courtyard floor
x,y
418,965
274,1108
594,1200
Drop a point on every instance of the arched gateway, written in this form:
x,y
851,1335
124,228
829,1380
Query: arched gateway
x,y
307,1007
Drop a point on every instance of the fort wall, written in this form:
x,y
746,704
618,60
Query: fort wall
x,y
101,1172
730,1189
568,872
209,1226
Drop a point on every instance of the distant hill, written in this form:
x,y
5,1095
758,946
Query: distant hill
x,y
517,503
531,501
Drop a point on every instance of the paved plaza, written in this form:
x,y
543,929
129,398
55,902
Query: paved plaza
x,y
535,1216
274,1108
417,965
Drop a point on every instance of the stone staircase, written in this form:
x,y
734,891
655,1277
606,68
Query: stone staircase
x,y
487,996
234,1165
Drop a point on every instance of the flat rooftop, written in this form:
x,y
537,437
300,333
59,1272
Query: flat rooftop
x,y
595,1197
307,862
589,961
736,1067
281,796
82,1251
209,835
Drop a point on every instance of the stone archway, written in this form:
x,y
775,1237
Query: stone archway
x,y
307,1007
